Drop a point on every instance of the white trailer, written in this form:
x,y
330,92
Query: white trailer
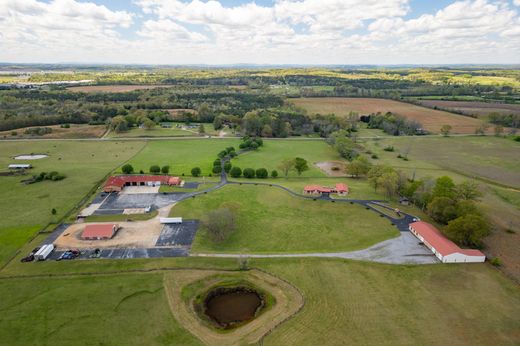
x,y
170,219
44,252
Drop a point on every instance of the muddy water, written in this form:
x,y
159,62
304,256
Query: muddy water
x,y
232,307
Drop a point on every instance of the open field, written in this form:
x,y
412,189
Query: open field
x,y
182,155
355,302
164,132
473,108
114,88
273,152
269,220
26,208
75,131
432,120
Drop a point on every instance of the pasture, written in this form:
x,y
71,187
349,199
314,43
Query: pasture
x,y
480,109
159,131
432,120
114,88
26,208
75,131
270,220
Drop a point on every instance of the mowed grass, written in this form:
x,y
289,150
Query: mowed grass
x,y
94,310
26,208
273,152
357,303
270,220
182,155
432,120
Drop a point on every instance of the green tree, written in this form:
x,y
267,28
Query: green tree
x,y
442,209
262,173
300,165
227,166
127,169
235,172
388,181
53,211
468,230
374,174
445,130
155,169
468,190
217,169
359,167
202,130
249,173
286,166
444,187
165,169
195,171
148,124
274,174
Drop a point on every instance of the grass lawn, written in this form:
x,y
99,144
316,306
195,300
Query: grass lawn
x,y
270,220
273,152
26,208
182,155
159,131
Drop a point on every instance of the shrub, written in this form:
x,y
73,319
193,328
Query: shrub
x,y
374,156
261,173
222,154
220,224
155,169
249,173
127,169
141,171
165,169
14,133
497,262
235,172
274,174
389,148
195,171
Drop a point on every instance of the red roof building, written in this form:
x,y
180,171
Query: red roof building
x,y
99,232
445,250
117,182
340,189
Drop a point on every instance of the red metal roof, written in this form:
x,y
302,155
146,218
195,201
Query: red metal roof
x,y
339,188
99,231
121,180
436,239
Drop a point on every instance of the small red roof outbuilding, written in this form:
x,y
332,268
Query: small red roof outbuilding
x,y
100,231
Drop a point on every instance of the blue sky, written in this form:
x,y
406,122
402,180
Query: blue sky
x,y
262,31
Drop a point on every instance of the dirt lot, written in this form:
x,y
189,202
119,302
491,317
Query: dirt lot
x,y
114,88
75,131
327,168
431,119
473,108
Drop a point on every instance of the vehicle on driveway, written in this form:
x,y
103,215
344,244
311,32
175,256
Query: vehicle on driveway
x,y
69,255
30,256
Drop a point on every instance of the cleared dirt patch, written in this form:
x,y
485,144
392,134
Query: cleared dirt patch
x,y
288,302
30,157
332,168
473,108
431,119
114,88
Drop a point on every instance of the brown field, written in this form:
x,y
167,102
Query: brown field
x,y
473,108
431,119
114,88
75,131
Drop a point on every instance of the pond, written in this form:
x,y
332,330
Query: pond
x,y
230,306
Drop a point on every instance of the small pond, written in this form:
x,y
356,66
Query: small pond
x,y
231,306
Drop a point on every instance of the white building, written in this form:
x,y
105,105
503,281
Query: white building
x,y
20,166
445,250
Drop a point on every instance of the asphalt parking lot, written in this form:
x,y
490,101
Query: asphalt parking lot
x,y
178,234
144,200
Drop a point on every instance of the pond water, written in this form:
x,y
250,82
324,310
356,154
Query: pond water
x,y
232,306
30,157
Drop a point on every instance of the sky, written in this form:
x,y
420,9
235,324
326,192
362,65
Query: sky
x,y
301,32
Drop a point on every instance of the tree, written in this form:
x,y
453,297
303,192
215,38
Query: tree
x,y
444,187
274,174
155,169
445,130
388,181
217,123
165,169
249,173
220,224
468,190
300,165
195,171
148,124
235,172
468,230
119,124
286,166
201,129
127,169
359,167
442,209
53,211
217,169
262,173
267,131
227,166
375,173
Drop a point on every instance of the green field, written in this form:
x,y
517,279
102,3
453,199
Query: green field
x,y
26,208
163,132
182,155
273,152
270,220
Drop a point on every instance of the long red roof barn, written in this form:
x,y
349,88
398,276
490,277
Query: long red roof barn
x,y
442,247
118,182
101,231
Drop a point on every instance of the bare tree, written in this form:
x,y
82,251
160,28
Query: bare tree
x,y
220,223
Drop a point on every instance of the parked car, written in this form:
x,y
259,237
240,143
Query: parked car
x,y
30,257
69,255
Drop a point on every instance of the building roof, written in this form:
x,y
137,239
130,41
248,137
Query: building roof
x,y
437,240
121,180
341,187
99,231
20,165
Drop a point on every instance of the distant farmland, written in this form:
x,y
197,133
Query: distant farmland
x,y
114,88
473,108
431,119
